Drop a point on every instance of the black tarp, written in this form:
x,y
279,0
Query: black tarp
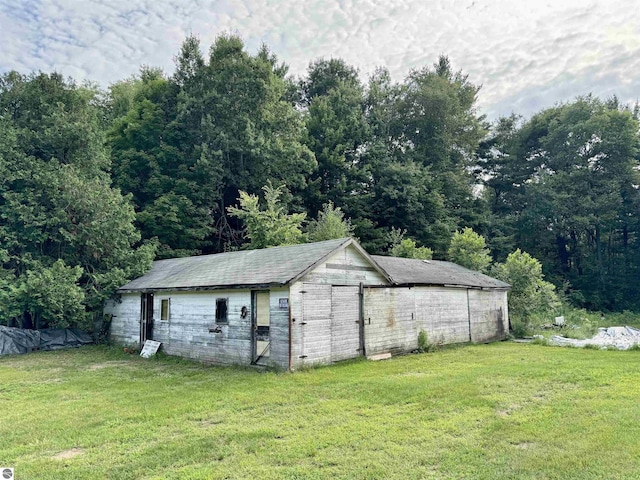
x,y
18,340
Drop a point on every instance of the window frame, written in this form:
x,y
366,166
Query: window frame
x,y
220,320
168,300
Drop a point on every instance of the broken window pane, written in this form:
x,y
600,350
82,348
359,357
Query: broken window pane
x,y
221,310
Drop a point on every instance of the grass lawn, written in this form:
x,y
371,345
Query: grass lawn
x,y
488,411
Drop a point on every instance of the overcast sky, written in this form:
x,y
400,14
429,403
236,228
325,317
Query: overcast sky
x,y
527,54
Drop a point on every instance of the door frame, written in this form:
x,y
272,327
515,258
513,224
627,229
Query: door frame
x,y
255,355
146,317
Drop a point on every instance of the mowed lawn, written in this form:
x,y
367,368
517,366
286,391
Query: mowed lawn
x,y
496,411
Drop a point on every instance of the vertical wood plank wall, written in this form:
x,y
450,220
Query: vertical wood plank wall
x,y
443,313
395,316
489,314
279,329
125,323
323,318
389,320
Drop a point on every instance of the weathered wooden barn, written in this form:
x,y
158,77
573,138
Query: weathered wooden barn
x,y
305,304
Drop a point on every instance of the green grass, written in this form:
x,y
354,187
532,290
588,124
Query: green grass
x,y
484,412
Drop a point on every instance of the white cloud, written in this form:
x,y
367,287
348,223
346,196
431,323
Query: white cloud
x,y
526,54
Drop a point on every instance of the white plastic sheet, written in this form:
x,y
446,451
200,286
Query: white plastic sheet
x,y
621,338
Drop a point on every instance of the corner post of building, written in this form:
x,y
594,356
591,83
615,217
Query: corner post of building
x,y
361,318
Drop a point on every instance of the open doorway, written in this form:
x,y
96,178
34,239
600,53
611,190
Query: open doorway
x,y
261,322
146,318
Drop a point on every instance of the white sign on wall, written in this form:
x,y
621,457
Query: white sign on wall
x,y
283,302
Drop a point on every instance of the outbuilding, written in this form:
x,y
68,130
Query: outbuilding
x,y
304,304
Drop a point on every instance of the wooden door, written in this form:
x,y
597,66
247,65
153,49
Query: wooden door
x,y
345,323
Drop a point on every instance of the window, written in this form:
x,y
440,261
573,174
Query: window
x,y
221,310
164,309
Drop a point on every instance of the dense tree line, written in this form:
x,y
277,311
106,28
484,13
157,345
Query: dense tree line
x,y
231,151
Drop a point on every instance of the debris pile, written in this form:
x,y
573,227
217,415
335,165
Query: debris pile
x,y
621,338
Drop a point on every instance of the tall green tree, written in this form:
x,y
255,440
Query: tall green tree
x,y
417,162
333,98
62,223
189,143
567,186
235,119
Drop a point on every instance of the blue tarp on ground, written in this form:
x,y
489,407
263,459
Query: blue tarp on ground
x,y
18,340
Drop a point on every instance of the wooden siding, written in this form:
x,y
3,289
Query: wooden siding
x,y
279,329
345,323
489,315
345,267
314,314
324,323
442,313
192,316
313,325
125,321
394,317
389,320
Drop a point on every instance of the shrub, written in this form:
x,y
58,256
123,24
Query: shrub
x,y
424,345
530,294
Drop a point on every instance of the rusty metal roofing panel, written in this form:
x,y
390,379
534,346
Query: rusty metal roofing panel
x,y
268,266
411,271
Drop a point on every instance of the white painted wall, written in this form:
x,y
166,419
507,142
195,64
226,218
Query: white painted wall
x,y
389,320
192,315
489,315
395,316
125,323
443,313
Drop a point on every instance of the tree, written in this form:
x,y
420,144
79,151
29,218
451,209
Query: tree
x,y
236,128
564,186
222,123
529,293
68,239
416,164
332,97
53,296
468,249
330,224
272,226
406,247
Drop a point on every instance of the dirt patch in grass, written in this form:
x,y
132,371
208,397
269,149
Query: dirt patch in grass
x,y
72,452
525,445
112,363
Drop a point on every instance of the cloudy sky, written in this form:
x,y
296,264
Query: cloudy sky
x,y
526,54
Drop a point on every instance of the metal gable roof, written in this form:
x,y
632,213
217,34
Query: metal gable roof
x,y
410,271
268,266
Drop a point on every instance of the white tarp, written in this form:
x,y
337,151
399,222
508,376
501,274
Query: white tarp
x,y
621,338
